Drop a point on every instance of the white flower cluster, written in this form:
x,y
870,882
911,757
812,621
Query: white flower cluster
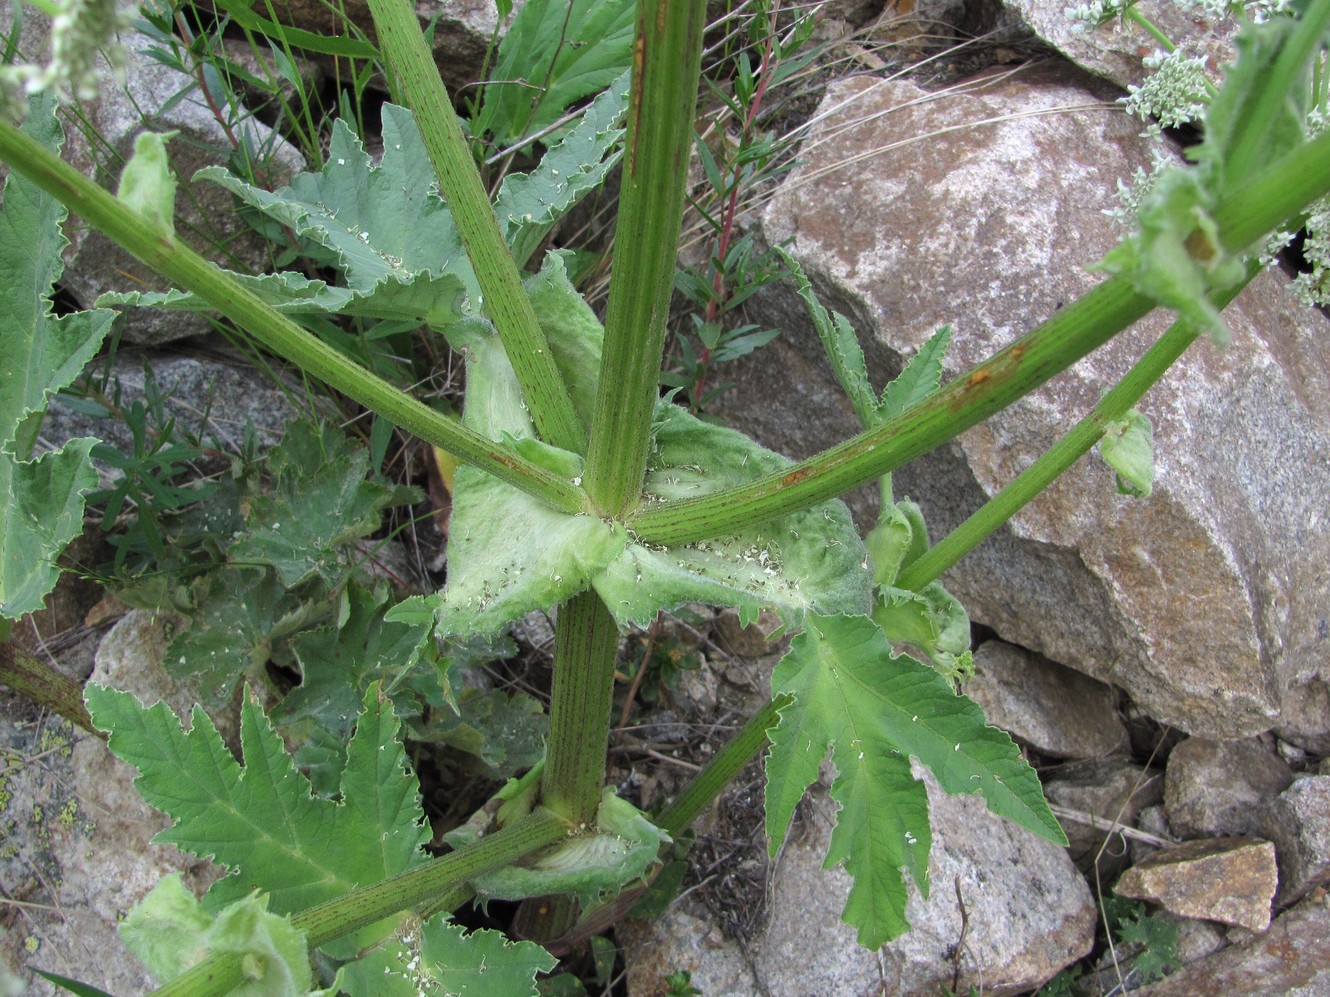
x,y
1313,286
1142,180
1096,12
80,30
1217,10
1175,94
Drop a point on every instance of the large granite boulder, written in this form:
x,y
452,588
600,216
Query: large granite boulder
x,y
981,207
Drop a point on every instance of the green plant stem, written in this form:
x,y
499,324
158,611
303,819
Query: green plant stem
x,y
1066,451
586,643
1281,192
222,973
1251,144
667,58
411,63
31,677
721,770
187,269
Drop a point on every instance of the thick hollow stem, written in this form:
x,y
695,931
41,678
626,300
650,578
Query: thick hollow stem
x,y
222,973
41,683
408,56
586,643
187,269
666,65
1269,201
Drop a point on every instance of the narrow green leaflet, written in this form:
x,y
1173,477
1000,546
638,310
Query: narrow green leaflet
x,y
441,959
41,502
169,931
875,711
553,55
260,820
509,554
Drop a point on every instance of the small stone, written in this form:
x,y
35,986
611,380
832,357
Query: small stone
x,y
1053,709
1106,790
1291,958
1231,880
750,641
1298,822
1217,787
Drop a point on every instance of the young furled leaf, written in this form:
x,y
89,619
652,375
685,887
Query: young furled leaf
x,y
41,502
147,184
260,820
1128,448
169,931
875,710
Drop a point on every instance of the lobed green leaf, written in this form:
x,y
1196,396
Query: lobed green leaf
x,y
875,710
260,819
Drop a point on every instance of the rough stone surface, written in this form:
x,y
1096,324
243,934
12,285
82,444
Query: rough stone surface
x,y
1114,51
463,29
1028,912
1291,959
1303,719
206,215
1231,880
76,835
1055,710
236,398
1217,787
989,228
1105,790
1298,822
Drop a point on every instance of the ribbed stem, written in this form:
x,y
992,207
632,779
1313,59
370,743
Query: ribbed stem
x,y
31,677
505,302
1059,457
1269,201
666,67
187,269
586,643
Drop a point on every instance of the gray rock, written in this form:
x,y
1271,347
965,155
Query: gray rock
x,y
1230,880
1109,790
1291,959
206,216
1053,709
76,835
989,227
211,394
1304,719
463,29
1298,822
1026,914
1217,787
1114,51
